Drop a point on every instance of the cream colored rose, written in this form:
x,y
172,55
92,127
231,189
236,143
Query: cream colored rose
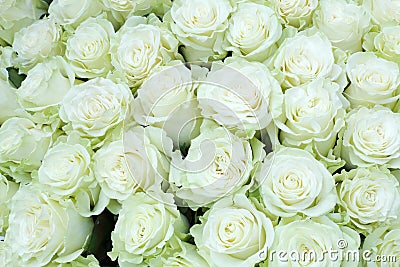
x,y
167,100
27,9
179,253
371,136
387,42
200,25
218,163
89,261
88,49
383,11
240,95
383,246
253,31
147,152
37,42
369,196
142,231
308,242
17,14
233,232
94,107
304,58
343,23
312,116
374,81
42,230
73,12
135,58
5,254
6,4
187,258
112,171
46,85
293,182
6,55
10,107
7,191
137,7
66,168
66,173
22,147
119,5
295,13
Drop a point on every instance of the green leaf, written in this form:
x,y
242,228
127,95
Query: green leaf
x,y
14,77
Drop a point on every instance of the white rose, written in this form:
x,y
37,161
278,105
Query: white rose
x,y
5,254
27,9
22,147
369,196
189,257
307,242
179,253
120,5
73,12
112,171
303,58
222,96
383,242
167,100
343,23
200,25
94,107
143,228
147,151
371,136
295,13
387,42
374,80
89,261
6,4
383,11
312,116
88,48
41,229
7,191
293,182
137,7
67,175
253,31
134,58
17,14
233,232
45,85
6,54
65,168
10,107
37,42
217,163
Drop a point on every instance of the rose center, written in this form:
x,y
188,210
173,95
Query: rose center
x,y
291,181
370,196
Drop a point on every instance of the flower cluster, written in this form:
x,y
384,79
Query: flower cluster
x,y
199,133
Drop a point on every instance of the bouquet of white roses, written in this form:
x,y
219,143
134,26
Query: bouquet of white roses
x,y
199,133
